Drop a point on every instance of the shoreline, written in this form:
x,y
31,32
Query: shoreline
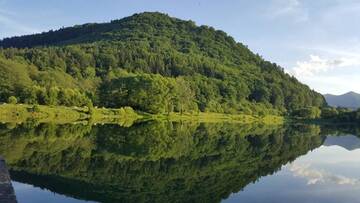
x,y
19,113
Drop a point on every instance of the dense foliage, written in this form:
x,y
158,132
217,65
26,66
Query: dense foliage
x,y
341,115
308,113
151,62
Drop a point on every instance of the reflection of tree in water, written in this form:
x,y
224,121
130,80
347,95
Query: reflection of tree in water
x,y
151,162
341,129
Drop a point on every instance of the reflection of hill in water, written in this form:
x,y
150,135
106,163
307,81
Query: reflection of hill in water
x,y
349,142
151,162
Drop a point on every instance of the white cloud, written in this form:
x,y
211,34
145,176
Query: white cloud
x,y
315,176
337,74
328,67
316,65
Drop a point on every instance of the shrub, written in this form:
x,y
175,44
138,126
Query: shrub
x,y
12,100
35,108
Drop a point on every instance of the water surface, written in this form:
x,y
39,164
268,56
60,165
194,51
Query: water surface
x,y
182,162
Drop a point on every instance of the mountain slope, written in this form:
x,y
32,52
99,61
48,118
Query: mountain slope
x,y
348,100
155,63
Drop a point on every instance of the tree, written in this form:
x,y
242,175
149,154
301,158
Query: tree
x,y
329,113
12,100
90,107
184,95
308,113
53,96
260,94
35,108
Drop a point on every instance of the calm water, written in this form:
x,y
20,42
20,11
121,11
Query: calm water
x,y
182,162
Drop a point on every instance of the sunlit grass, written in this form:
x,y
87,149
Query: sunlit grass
x,y
19,113
219,117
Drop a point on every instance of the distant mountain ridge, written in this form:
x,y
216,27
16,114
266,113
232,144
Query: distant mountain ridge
x,y
348,100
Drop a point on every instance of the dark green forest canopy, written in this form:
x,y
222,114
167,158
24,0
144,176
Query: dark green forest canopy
x,y
151,62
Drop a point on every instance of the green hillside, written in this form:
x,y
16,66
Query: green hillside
x,y
151,62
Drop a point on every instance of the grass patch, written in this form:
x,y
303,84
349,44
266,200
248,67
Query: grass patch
x,y
126,116
219,117
19,113
22,112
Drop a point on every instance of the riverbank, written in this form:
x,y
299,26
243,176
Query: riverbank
x,y
219,117
18,113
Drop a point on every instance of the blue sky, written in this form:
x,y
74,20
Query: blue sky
x,y
316,41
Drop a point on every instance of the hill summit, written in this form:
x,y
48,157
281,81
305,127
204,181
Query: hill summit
x,y
349,100
151,62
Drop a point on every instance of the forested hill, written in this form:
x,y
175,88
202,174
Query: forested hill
x,y
151,62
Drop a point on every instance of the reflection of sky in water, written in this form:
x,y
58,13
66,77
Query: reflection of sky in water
x,y
327,174
29,194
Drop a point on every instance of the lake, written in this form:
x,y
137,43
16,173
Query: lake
x,y
182,162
